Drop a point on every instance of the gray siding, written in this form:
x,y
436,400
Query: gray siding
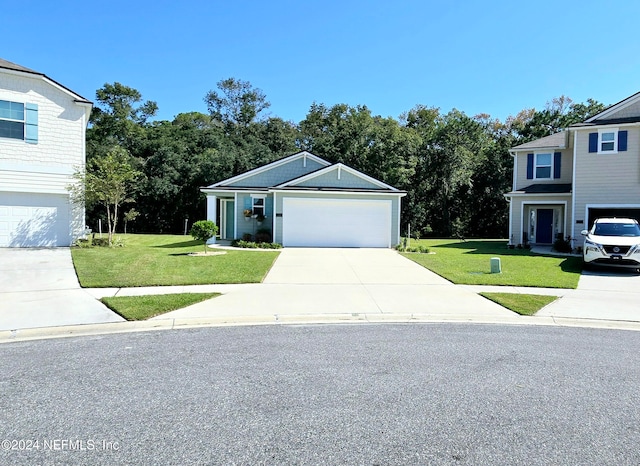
x,y
566,169
330,180
280,174
606,179
630,111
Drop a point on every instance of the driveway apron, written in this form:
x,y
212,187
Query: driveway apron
x,y
315,281
39,288
601,294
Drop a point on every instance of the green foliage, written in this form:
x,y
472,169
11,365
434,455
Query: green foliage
x,y
108,182
147,306
240,243
204,230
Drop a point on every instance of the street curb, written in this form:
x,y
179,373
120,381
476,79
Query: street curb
x,y
28,334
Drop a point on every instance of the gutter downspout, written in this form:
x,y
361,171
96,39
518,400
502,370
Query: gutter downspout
x,y
573,187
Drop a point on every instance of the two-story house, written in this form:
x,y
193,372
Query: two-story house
x,y
42,143
563,182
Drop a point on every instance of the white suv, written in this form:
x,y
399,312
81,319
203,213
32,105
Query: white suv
x,y
613,242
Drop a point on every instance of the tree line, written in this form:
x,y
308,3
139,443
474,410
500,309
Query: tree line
x,y
454,167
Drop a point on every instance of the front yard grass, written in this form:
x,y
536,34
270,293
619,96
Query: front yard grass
x,y
468,263
156,260
523,304
145,307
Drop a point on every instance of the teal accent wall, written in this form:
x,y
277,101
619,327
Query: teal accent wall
x,y
330,180
230,220
280,174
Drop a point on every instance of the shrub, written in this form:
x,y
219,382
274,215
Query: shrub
x,y
238,243
247,237
562,245
203,230
263,235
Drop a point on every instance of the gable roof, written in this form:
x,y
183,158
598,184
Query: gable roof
x,y
338,167
554,141
608,115
19,69
269,166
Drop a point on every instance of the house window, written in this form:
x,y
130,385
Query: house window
x,y
608,141
258,205
543,166
19,121
11,120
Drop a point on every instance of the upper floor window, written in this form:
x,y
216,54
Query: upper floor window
x,y
543,166
608,141
19,121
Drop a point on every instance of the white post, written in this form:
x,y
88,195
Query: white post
x,y
409,235
100,226
212,202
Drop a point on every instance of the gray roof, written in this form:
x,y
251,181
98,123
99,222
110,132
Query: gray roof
x,y
12,66
557,141
564,188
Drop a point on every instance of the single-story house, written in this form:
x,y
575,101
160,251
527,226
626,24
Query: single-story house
x,y
303,200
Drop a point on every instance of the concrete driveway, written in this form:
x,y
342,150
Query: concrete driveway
x,y
601,294
308,281
39,288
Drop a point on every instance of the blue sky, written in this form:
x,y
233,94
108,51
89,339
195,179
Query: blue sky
x,y
495,57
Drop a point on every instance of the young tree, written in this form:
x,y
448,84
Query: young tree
x,y
130,216
107,181
204,230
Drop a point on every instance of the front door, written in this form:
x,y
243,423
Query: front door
x,y
226,218
544,226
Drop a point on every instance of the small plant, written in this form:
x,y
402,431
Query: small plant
x,y
203,230
247,237
260,218
238,243
130,216
248,213
562,245
263,235
511,246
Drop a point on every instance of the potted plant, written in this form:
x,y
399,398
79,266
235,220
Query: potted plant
x,y
260,218
247,214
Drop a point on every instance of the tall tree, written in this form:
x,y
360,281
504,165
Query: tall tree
x,y
236,102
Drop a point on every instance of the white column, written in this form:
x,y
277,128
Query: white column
x,y
212,205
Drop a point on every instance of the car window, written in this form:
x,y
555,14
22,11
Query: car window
x,y
617,229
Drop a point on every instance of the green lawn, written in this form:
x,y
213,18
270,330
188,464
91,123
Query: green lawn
x,y
468,263
523,304
145,307
150,260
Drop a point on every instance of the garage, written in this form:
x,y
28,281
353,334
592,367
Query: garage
x,y
608,212
34,220
330,222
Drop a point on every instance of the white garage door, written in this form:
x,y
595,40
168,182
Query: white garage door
x,y
336,223
34,220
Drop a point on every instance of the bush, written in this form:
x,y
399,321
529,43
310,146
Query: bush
x,y
203,230
562,245
404,248
263,235
247,237
238,243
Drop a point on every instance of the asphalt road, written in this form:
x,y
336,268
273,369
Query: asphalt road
x,y
343,394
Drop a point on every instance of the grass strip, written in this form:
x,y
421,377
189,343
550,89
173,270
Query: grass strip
x,y
523,304
147,306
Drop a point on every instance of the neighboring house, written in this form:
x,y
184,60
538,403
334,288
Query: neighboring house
x,y
306,201
563,182
42,141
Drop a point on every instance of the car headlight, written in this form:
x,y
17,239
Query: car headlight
x,y
635,249
591,246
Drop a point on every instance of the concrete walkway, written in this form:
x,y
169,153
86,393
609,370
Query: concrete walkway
x,y
39,288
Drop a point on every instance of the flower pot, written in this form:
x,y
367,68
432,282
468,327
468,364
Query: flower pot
x,y
246,219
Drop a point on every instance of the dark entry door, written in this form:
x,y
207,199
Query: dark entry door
x,y
544,226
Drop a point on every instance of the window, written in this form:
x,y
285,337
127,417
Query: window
x,y
19,121
608,141
258,205
11,120
543,166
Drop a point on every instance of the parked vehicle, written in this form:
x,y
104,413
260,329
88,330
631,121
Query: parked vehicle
x,y
612,242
